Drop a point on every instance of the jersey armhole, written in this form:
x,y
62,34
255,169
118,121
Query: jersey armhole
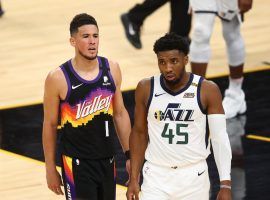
x,y
199,95
105,65
151,93
62,67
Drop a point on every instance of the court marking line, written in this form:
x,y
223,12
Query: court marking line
x,y
39,162
257,137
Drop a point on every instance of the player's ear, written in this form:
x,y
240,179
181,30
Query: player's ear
x,y
72,41
186,59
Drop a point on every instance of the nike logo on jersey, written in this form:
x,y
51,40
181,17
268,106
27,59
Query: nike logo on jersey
x,y
157,95
73,87
200,173
111,160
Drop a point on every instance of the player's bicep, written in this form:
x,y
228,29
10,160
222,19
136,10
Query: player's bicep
x,y
140,119
213,98
51,101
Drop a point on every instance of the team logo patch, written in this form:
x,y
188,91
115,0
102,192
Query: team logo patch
x,y
174,112
189,95
194,84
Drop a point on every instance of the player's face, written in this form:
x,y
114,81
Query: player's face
x,y
86,41
172,65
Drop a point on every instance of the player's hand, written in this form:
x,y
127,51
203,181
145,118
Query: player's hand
x,y
244,5
133,190
224,194
54,181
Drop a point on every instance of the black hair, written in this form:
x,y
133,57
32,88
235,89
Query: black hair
x,y
80,20
171,41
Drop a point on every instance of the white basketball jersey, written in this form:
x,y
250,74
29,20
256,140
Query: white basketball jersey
x,y
176,124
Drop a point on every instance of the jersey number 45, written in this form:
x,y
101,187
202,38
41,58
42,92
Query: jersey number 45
x,y
171,133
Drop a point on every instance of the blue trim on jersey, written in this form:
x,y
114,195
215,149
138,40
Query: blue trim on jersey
x,y
207,134
199,96
68,82
151,93
180,91
80,78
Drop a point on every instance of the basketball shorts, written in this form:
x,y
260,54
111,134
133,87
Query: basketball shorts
x,y
173,183
205,5
89,179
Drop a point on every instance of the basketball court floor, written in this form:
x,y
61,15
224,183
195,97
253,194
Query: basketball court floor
x,y
34,39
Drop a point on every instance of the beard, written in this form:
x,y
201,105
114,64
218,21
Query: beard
x,y
175,81
88,57
171,82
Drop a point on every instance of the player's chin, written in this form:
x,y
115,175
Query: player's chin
x,y
92,56
170,79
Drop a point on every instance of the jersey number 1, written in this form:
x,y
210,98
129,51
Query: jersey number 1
x,y
169,133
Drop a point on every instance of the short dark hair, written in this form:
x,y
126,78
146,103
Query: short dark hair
x,y
171,41
80,20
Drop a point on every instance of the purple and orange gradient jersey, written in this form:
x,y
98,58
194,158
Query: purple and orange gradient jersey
x,y
87,113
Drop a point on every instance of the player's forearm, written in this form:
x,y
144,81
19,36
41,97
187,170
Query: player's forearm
x,y
138,144
221,145
123,128
49,146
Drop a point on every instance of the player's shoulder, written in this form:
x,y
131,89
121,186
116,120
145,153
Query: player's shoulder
x,y
55,76
144,86
209,85
114,65
146,82
210,90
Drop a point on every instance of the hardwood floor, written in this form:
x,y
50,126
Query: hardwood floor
x,y
24,178
35,39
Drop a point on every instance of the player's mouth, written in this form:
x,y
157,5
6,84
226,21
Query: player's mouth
x,y
92,49
170,77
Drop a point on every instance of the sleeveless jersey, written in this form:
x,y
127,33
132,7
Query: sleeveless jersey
x,y
87,113
176,124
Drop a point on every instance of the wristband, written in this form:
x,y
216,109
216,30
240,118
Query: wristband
x,y
225,186
127,154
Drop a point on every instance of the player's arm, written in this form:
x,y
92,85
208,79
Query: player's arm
x,y
120,114
245,5
219,137
139,136
51,108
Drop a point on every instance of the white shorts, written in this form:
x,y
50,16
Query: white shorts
x,y
184,183
225,9
205,5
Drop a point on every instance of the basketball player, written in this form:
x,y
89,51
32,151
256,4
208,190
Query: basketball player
x,y
133,20
1,10
170,131
85,90
205,12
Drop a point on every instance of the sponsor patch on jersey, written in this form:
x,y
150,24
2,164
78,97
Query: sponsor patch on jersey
x,y
189,95
105,81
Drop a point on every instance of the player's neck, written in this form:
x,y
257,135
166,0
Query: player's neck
x,y
83,64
